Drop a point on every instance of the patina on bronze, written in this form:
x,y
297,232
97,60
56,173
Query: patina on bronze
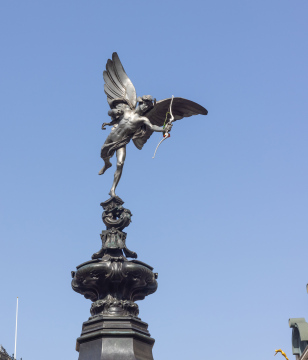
x,y
111,281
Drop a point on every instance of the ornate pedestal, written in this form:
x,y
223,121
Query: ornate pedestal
x,y
113,283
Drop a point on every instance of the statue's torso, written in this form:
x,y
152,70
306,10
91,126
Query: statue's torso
x,y
128,125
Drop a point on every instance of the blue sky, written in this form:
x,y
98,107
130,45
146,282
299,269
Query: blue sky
x,y
221,213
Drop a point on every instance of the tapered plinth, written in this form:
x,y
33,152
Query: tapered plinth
x,y
115,338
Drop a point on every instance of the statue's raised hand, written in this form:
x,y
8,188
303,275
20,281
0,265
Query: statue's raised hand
x,y
168,127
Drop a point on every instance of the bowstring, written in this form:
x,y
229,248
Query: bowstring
x,y
166,118
165,137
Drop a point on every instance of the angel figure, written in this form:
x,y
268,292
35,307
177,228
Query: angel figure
x,y
135,118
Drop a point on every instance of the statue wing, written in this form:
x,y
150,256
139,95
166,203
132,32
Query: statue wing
x,y
117,83
180,108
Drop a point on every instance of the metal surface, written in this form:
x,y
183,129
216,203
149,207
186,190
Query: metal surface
x,y
111,281
113,284
135,118
166,134
115,338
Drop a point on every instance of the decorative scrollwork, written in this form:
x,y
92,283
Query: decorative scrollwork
x,y
115,215
113,239
125,280
116,218
119,218
113,306
111,281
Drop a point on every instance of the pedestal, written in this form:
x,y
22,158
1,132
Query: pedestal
x,y
115,338
113,284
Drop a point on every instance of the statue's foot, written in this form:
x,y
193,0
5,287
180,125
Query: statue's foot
x,y
106,166
112,193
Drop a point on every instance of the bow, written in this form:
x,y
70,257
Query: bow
x,y
166,134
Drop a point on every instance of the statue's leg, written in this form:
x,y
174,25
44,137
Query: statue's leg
x,y
121,154
106,166
105,155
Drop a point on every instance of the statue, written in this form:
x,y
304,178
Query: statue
x,y
112,281
136,122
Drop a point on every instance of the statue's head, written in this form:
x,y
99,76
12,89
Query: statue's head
x,y
118,106
115,113
145,103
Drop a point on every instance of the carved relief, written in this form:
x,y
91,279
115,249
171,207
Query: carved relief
x,y
111,281
113,306
116,218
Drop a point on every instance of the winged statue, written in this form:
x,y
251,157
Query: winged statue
x,y
136,118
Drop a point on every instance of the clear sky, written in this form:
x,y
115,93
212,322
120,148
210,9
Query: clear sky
x,y
221,213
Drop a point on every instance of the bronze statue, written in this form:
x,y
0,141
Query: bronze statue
x,y
110,280
136,122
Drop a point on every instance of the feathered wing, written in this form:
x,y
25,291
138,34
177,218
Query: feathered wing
x,y
117,83
180,108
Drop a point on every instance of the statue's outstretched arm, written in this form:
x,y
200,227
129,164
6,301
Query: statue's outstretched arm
x,y
148,123
110,124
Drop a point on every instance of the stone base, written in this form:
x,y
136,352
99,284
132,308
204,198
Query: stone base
x,y
115,338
